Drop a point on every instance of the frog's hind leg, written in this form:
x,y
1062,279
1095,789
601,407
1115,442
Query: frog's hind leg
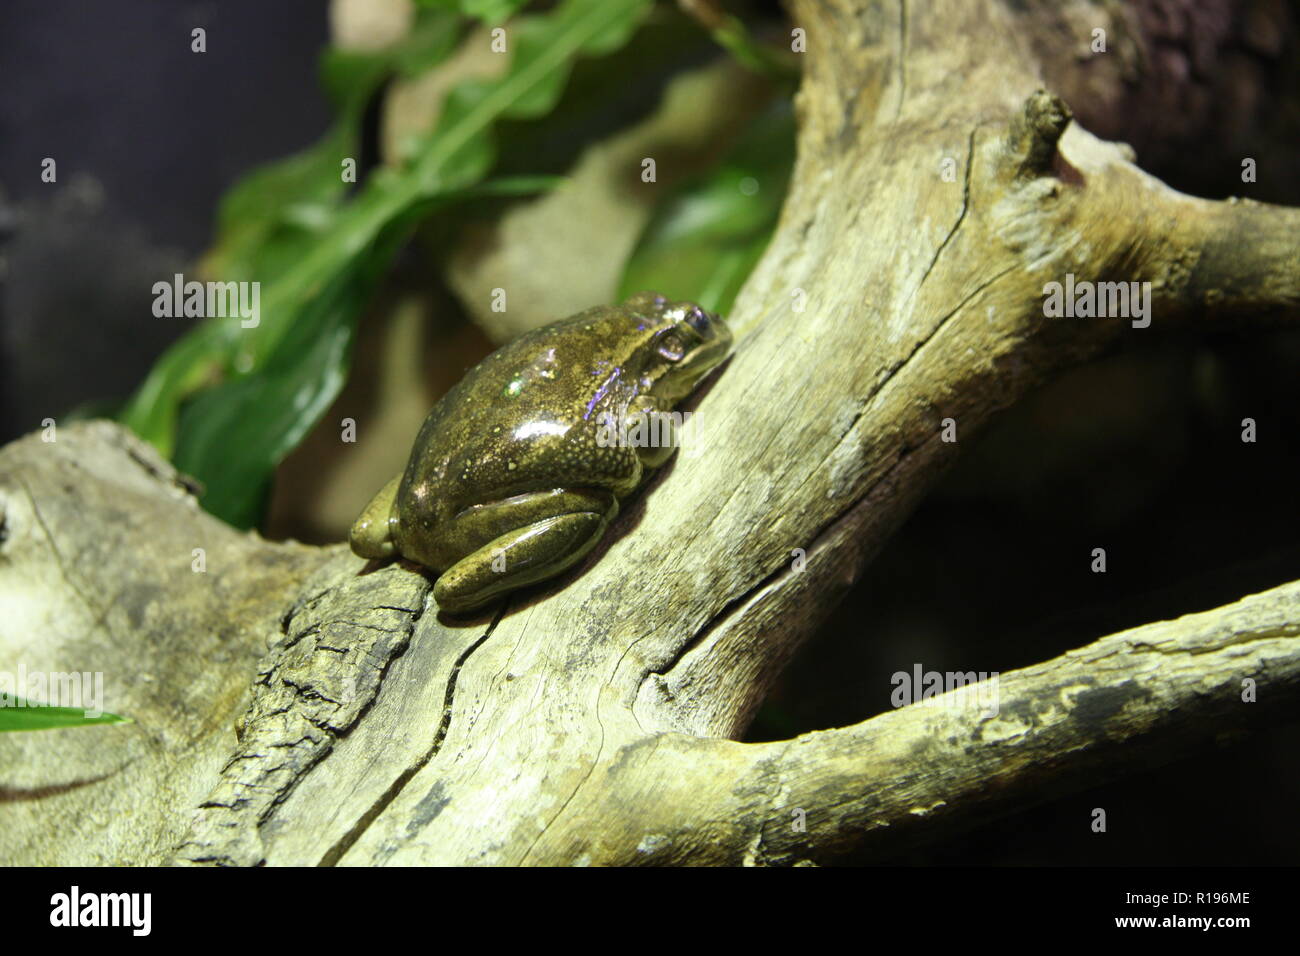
x,y
372,532
520,557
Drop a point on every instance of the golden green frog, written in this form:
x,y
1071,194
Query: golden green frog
x,y
519,469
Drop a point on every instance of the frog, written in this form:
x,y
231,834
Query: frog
x,y
519,470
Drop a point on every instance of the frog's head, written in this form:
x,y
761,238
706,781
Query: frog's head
x,y
682,344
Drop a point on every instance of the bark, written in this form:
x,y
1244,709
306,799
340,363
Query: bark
x,y
593,721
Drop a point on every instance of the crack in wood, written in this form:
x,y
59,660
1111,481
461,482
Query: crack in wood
x,y
965,205
341,846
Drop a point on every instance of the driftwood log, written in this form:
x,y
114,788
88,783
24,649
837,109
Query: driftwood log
x,y
290,709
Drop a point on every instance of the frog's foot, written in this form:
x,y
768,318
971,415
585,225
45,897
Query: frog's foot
x,y
521,557
372,534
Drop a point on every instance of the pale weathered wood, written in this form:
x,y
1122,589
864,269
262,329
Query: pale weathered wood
x,y
1127,701
584,722
97,575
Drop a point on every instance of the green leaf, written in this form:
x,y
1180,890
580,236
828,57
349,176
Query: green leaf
x,y
489,11
315,286
199,358
269,217
702,243
232,436
732,35
21,715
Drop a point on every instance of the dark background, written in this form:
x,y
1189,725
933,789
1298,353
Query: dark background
x,y
1139,453
147,135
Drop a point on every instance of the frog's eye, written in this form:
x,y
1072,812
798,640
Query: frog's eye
x,y
697,318
671,346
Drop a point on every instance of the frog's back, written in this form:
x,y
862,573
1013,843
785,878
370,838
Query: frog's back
x,y
526,418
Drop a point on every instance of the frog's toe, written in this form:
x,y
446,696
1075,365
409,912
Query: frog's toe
x,y
372,534
370,539
525,556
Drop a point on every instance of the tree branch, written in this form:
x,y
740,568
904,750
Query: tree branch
x,y
1124,703
1121,704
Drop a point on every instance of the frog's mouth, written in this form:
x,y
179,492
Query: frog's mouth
x,y
717,345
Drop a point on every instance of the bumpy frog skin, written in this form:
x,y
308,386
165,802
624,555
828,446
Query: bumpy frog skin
x,y
511,479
